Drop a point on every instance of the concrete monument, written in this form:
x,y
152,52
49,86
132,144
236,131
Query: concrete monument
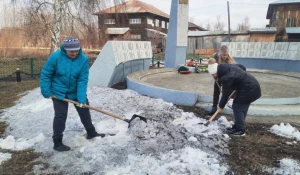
x,y
118,59
177,34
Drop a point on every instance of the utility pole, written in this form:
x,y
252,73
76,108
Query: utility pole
x,y
228,10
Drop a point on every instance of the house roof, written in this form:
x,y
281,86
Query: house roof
x,y
263,30
116,31
134,6
192,25
197,33
292,30
211,33
155,31
280,2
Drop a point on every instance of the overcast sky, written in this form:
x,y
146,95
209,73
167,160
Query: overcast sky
x,y
204,11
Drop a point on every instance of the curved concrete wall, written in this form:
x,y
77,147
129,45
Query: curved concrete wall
x,y
117,59
270,64
169,95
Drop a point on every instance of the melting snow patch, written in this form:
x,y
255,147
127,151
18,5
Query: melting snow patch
x,y
4,157
184,162
287,167
285,131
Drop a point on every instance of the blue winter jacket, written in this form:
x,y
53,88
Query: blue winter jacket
x,y
65,77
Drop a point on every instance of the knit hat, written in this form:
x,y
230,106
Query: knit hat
x,y
224,50
213,68
71,43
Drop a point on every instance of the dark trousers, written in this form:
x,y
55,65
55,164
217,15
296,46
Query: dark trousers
x,y
216,95
60,117
240,113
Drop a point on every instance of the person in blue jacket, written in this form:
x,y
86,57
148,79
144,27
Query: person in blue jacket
x,y
65,75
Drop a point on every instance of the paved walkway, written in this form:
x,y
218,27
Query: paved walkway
x,y
280,90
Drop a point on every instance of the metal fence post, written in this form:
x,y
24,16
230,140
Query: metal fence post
x,y
31,68
152,60
18,73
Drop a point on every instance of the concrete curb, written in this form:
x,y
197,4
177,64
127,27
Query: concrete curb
x,y
168,95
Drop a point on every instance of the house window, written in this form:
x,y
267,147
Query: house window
x,y
163,24
167,25
109,21
156,23
135,37
135,21
291,22
277,15
150,21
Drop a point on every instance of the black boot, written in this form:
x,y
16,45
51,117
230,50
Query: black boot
x,y
91,133
213,110
59,146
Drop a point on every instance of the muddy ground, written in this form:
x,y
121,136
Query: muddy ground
x,y
259,148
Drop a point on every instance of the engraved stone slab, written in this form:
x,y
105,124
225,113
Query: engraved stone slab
x,y
294,46
244,53
239,46
281,46
254,45
266,54
279,54
251,53
268,46
245,45
292,55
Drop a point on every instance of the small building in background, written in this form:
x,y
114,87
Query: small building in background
x,y
267,34
284,14
209,42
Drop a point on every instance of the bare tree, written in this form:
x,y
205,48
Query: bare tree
x,y
192,19
219,26
65,17
245,25
208,26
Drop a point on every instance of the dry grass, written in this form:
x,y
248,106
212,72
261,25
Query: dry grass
x,y
12,91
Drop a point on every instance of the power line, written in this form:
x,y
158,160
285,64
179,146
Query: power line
x,y
249,4
207,6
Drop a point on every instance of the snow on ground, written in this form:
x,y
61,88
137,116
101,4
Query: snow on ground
x,y
285,130
171,142
4,157
287,167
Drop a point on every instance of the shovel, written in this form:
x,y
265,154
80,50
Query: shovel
x,y
106,112
217,112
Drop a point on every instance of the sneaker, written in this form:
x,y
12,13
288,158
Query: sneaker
x,y
230,129
95,135
237,133
229,103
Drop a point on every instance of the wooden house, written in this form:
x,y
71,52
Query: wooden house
x,y
284,14
135,20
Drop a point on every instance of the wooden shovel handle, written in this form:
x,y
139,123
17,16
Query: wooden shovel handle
x,y
219,110
93,108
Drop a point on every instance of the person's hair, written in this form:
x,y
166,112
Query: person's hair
x,y
230,60
211,61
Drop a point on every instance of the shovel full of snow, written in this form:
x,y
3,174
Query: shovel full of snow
x,y
218,111
106,112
